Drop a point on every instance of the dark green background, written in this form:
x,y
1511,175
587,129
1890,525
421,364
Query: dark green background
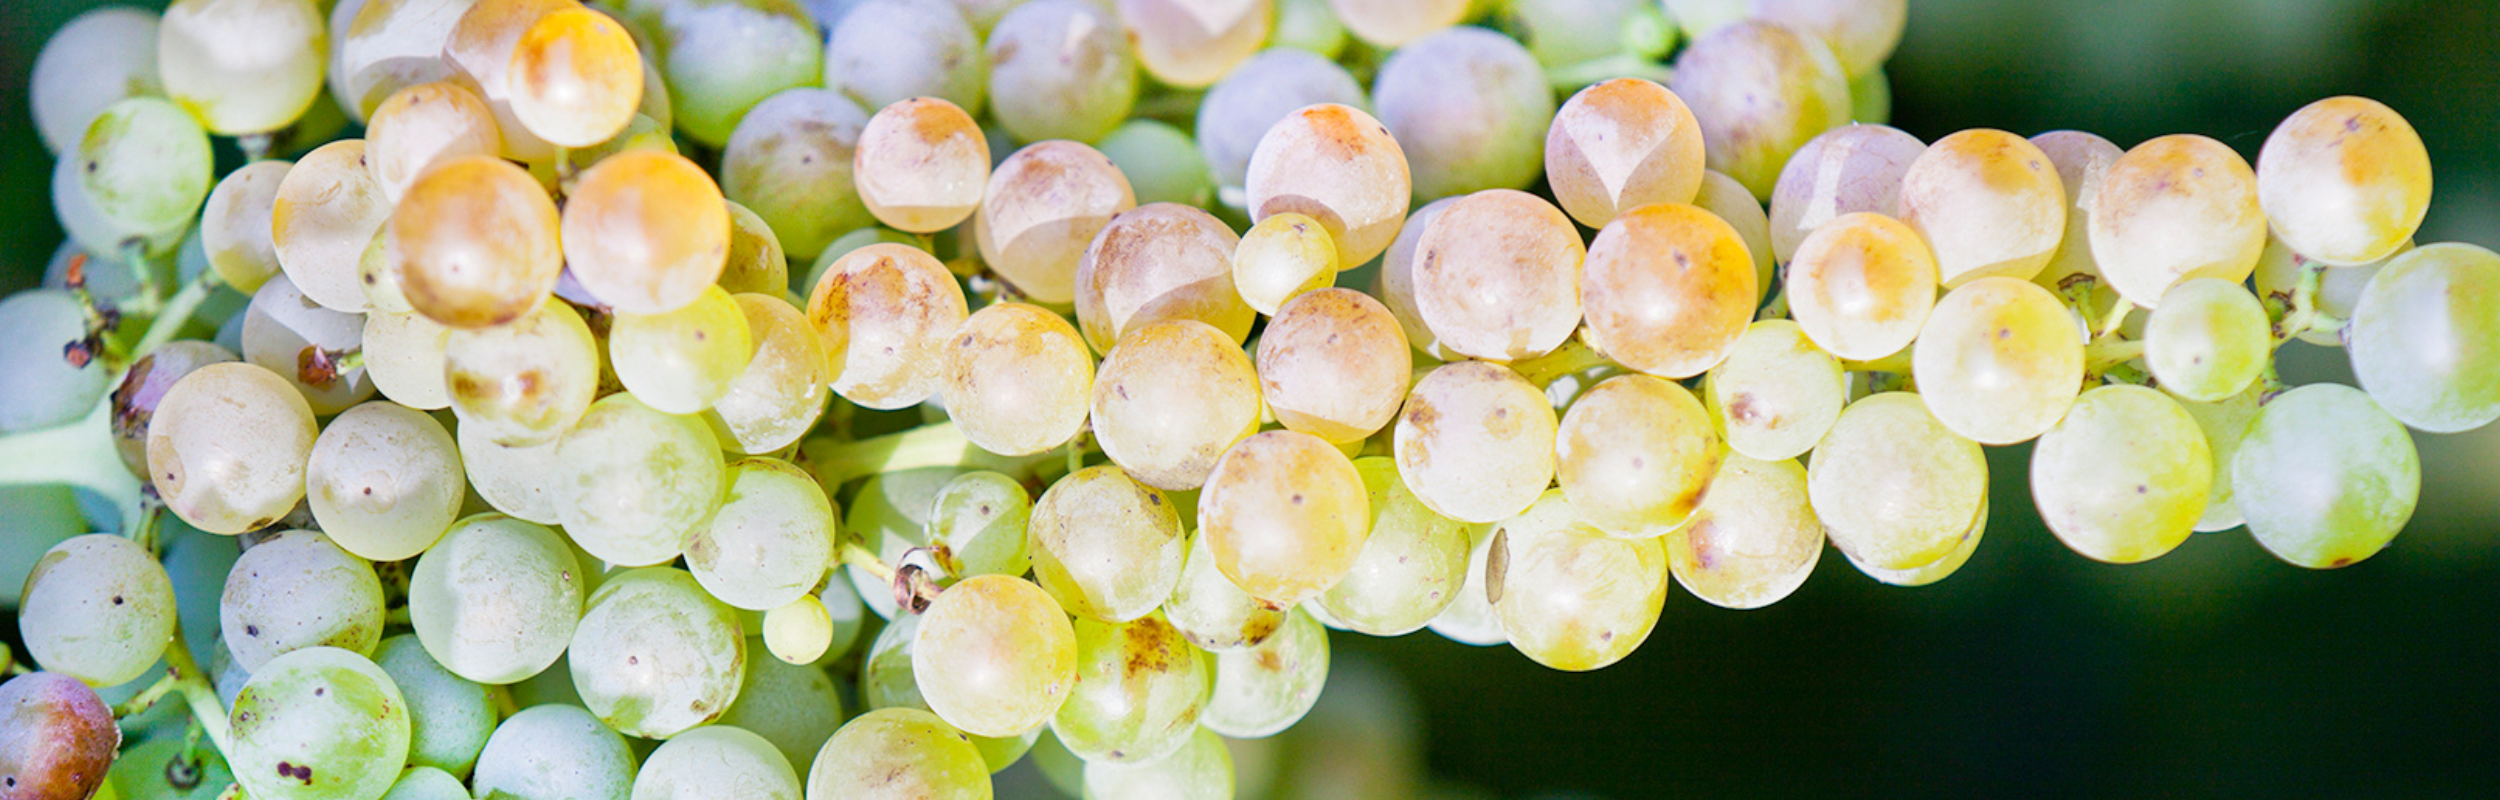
x,y
2216,670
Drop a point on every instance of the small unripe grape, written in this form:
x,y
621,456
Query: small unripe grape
x,y
1280,257
977,525
2208,340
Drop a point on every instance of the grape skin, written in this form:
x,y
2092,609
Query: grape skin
x,y
577,78
1239,109
1105,545
1844,170
1333,363
1895,488
790,161
1264,689
1670,321
2208,340
646,231
1281,257
1760,90
525,383
899,752
1170,398
1621,144
655,655
333,720
235,224
1570,596
98,58
1338,165
2325,477
920,165
474,242
1042,209
632,483
2344,180
771,540
1776,394
2124,477
384,481
38,332
1059,69
2083,161
1411,566
1635,454
1211,611
2423,338
1754,539
1139,687
715,759
1999,360
227,446
56,737
1469,107
497,599
1018,379
1989,203
449,717
1494,276
2175,208
1476,442
97,608
551,752
778,396
1162,261
1285,514
682,361
249,66
885,312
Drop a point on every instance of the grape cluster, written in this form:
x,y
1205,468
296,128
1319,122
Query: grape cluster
x,y
1162,345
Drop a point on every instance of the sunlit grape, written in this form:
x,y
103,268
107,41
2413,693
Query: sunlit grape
x,y
552,752
243,66
97,608
295,590
2208,340
2325,478
1335,164
1895,489
1572,597
1933,571
1862,285
576,77
977,525
1776,394
1668,289
1470,108
1999,360
226,448
1138,691
1164,261
1754,539
142,387
654,655
921,165
98,58
771,540
886,312
646,231
389,45
481,49
143,170
1106,546
1495,276
681,361
1192,43
708,761
2175,208
234,225
1733,203
884,52
1043,206
1845,170
2344,180
1621,144
886,680
756,262
2425,338
1060,69
2124,477
1411,566
1988,203
316,724
326,213
1284,514
526,381
1635,455
1262,690
1760,90
1333,363
384,481
899,752
994,656
2083,161
1018,379
496,599
790,161
779,394
56,737
1280,257
1389,23
1239,109
633,482
1170,398
1476,441
476,243
1211,611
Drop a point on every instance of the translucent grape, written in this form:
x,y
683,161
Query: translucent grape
x,y
1159,262
481,49
708,761
1239,109
55,376
404,358
97,608
316,724
885,313
1471,618
1668,290
1895,488
1411,566
1470,107
1476,442
1862,286
794,706
1989,203
646,231
100,57
2208,340
475,241
551,752
977,525
1060,69
1335,164
790,161
1933,571
1284,514
885,52
143,166
326,213
1018,379
288,334
632,483
1042,207
1211,611
1192,43
1754,539
142,388
2175,208
1390,23
1105,546
1999,360
576,78
243,433
384,481
1570,32
449,717
1162,163
1845,170
681,361
235,224
1139,689
1621,144
899,752
779,394
654,655
2083,161
1282,256
1307,25
2425,338
2344,180
243,66
1262,690
1635,455
2325,477
756,262
56,737
389,45
496,600
1494,276
1170,398
994,656
524,382
1333,363
1760,91
771,541
798,632
2224,425
1776,394
2124,477
1571,597
921,165
295,590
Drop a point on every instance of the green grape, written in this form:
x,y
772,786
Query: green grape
x,y
1389,23
1334,363
553,685
1170,397
722,57
1062,769
141,773
756,263
1733,203
884,52
496,600
885,312
1861,286
293,337
1647,309
1139,688
235,222
898,753
1570,596
245,432
1471,619
920,165
715,760
2423,338
795,707
1989,203
1410,568
1999,360
977,525
43,516
1042,207
449,718
1470,107
523,383
1495,276
771,540
2344,180
633,483
404,357
97,608
2208,340
1018,379
2325,477
380,47
1760,90
1570,32
654,655
1307,25
142,387
778,396
1281,257
1200,770
1239,109
2124,477
1621,144
2224,424
384,481
1155,263
1895,488
426,783
143,165
1162,163
2083,161
1059,69
682,361
887,681
1754,539
520,481
474,241
1476,441
1284,514
1189,44
1635,455
1265,688
790,161
1776,394
554,752
43,335
576,77
243,66
1211,611
994,656
1846,170
328,208
2175,208
296,590
1333,163
798,632
646,231
1105,545
1933,571
98,58
319,724
890,515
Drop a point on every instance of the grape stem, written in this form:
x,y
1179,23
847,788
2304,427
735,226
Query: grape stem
x,y
142,274
858,555
2117,317
1897,364
2110,351
78,454
935,445
2303,315
196,689
147,698
176,313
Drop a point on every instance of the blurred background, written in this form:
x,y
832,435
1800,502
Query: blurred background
x,y
2033,672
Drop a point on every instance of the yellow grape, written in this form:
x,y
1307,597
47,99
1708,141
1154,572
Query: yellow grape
x,y
227,445
1476,441
1754,539
1668,288
1334,364
1730,200
1861,286
1933,571
1635,455
1192,43
475,243
1622,144
387,46
1284,514
1388,23
404,357
1396,286
1168,400
1412,566
424,125
899,752
2345,180
1776,394
1338,165
994,656
756,262
646,231
777,397
634,484
2175,208
481,51
885,313
1496,276
1043,206
243,66
523,382
1999,360
1988,203
2124,477
681,361
1105,546
1283,256
1211,611
1895,489
326,214
234,224
1571,597
576,77
1139,689
1159,262
921,165
1018,379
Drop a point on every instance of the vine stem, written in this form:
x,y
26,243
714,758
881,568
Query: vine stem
x,y
2110,351
176,313
80,454
199,692
2303,315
